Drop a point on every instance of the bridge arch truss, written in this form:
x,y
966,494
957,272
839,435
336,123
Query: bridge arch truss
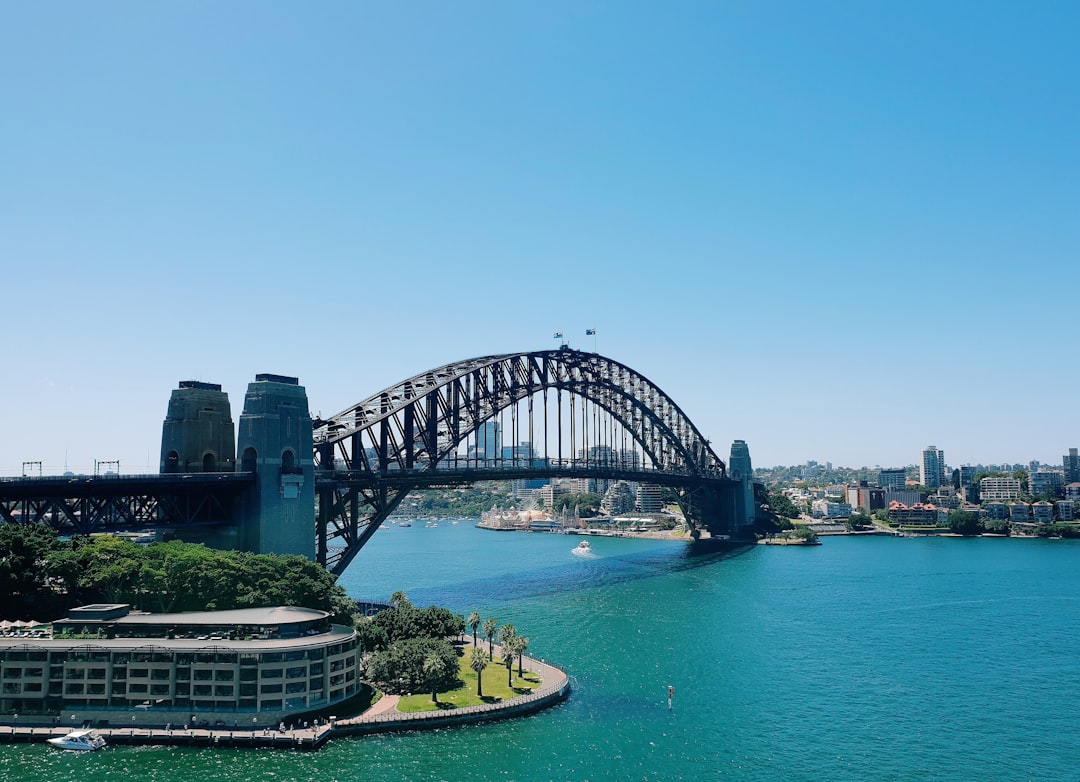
x,y
565,412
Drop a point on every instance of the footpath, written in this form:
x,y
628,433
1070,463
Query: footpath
x,y
383,716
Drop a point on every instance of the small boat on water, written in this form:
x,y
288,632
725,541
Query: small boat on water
x,y
582,548
78,740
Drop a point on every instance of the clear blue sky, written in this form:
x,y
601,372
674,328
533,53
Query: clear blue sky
x,y
838,230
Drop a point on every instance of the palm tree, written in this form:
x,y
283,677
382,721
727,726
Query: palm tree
x,y
508,647
434,671
506,632
478,662
522,645
490,626
474,622
399,600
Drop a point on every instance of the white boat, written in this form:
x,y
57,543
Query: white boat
x,y
582,548
78,739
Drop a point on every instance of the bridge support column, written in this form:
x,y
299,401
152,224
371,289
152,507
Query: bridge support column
x,y
197,435
741,470
277,515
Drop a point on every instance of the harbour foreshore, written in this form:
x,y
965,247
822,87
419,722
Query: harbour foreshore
x,y
381,717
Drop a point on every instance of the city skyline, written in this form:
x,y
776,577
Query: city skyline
x,y
812,226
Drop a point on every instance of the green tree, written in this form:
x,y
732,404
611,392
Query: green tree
x,y
859,519
782,505
402,668
490,625
506,632
512,647
436,672
522,647
478,661
956,479
964,522
587,505
474,622
25,550
1022,476
508,661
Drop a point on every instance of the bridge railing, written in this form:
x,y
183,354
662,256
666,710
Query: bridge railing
x,y
463,467
85,477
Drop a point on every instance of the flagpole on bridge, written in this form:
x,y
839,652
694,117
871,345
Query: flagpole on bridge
x,y
592,332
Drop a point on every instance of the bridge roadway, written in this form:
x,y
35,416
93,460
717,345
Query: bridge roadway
x,y
82,504
449,476
79,486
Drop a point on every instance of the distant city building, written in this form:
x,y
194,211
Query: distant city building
x,y
865,497
619,499
487,446
522,452
1042,512
967,474
906,497
917,515
1046,483
1065,510
823,509
946,497
999,489
1072,492
892,478
932,467
1019,511
548,494
996,510
1072,466
649,499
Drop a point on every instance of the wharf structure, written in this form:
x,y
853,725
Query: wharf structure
x,y
107,665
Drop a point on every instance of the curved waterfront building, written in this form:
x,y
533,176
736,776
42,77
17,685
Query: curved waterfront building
x,y
108,663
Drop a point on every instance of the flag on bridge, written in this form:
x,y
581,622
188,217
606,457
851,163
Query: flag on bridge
x,y
590,332
558,335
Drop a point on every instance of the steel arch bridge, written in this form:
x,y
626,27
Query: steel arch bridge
x,y
591,416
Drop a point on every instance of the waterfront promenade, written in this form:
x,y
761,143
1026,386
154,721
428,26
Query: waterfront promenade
x,y
381,717
384,717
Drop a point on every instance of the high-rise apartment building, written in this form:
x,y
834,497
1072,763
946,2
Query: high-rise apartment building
x,y
1072,466
893,478
932,467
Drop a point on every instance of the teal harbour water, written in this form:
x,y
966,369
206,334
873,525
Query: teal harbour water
x,y
862,659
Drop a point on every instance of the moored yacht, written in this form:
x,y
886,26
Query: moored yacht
x,y
78,740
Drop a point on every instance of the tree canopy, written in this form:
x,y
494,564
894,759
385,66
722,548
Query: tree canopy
x,y
44,577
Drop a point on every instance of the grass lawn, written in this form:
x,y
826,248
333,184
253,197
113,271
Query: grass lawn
x,y
495,688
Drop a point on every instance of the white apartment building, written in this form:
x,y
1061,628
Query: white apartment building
x,y
932,467
991,489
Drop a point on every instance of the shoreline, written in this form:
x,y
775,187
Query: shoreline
x,y
554,689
